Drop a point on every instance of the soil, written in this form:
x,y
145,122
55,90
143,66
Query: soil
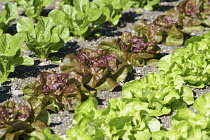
x,y
60,122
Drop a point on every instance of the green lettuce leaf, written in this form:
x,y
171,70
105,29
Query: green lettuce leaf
x,y
202,104
46,135
188,124
123,119
81,19
44,39
10,55
160,92
7,16
32,8
191,62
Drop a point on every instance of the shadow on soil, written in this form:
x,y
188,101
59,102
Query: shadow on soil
x,y
100,101
4,93
70,47
22,71
162,8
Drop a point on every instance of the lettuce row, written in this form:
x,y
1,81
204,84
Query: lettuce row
x,y
123,119
18,121
44,38
168,29
127,119
134,49
187,124
32,8
159,93
191,63
53,92
116,8
84,17
97,69
7,16
10,55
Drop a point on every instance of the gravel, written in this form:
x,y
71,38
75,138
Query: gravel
x,y
60,122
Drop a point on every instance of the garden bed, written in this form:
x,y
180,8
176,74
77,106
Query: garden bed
x,y
23,75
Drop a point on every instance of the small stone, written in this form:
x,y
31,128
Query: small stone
x,y
137,78
17,93
138,71
63,136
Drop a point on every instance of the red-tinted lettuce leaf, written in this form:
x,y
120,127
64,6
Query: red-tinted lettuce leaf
x,y
68,62
48,82
205,14
97,59
24,110
50,88
187,16
148,31
94,67
190,8
16,120
11,113
165,21
136,50
17,131
76,70
103,66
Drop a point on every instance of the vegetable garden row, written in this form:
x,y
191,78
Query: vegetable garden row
x,y
130,117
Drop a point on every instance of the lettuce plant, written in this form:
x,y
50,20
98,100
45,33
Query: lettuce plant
x,y
191,63
205,16
10,55
46,135
54,91
145,4
159,93
82,18
7,16
44,38
32,8
98,69
136,50
115,7
18,121
167,32
187,124
194,14
123,119
187,16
